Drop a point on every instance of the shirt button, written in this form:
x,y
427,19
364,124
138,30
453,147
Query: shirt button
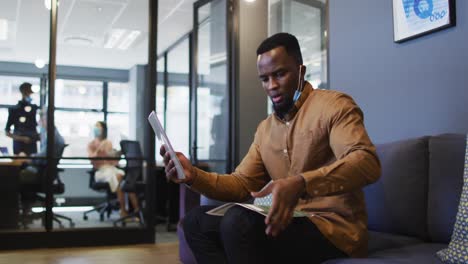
x,y
287,123
285,151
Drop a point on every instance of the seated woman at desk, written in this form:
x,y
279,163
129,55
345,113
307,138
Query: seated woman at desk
x,y
106,170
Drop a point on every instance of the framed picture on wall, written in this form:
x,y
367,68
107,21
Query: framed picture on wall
x,y
415,18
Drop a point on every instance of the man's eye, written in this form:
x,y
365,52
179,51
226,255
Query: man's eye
x,y
279,74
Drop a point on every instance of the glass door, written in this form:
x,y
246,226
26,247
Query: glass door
x,y
306,19
211,143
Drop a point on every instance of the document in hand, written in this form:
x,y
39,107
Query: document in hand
x,y
161,136
261,209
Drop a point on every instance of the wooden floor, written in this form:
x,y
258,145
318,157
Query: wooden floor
x,y
149,253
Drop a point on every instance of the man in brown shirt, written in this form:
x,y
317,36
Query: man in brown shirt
x,y
316,151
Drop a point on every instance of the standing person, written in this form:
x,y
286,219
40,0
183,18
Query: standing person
x,y
23,117
315,151
106,170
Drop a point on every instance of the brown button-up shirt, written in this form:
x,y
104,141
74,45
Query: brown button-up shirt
x,y
324,140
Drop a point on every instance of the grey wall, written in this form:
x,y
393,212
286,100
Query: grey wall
x,y
405,90
252,105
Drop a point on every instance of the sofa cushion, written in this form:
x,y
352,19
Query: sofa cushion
x,y
380,241
397,202
414,254
457,252
446,159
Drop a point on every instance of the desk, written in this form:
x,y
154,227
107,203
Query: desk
x,y
9,191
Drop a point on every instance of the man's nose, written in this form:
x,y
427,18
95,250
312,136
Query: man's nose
x,y
272,84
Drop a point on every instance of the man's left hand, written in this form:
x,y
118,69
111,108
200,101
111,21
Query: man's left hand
x,y
285,196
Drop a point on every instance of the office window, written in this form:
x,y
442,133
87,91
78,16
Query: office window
x,y
178,93
9,89
77,130
118,126
4,140
160,101
118,120
212,86
78,94
306,19
118,95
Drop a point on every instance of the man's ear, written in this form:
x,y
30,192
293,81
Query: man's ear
x,y
302,70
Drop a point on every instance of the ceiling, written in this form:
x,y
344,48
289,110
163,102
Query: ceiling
x,y
87,30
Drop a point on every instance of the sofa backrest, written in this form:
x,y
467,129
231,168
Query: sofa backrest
x,y
446,163
397,202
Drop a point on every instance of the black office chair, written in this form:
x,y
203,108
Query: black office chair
x,y
57,188
133,179
106,207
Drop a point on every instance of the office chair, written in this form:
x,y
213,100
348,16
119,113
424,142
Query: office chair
x,y
133,179
111,199
57,188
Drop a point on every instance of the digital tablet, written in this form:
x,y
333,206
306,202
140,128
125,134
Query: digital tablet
x,y
161,136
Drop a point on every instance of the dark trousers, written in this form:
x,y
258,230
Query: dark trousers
x,y
239,237
28,149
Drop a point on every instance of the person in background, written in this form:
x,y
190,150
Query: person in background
x,y
32,169
106,170
30,174
23,117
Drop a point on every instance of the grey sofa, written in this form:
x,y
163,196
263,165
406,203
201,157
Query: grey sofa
x,y
412,207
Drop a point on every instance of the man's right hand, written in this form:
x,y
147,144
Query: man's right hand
x,y
171,172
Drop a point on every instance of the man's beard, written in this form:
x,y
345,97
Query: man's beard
x,y
283,108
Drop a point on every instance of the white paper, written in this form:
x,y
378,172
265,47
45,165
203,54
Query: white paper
x,y
261,209
161,136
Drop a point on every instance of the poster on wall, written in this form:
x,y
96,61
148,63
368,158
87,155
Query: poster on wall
x,y
414,18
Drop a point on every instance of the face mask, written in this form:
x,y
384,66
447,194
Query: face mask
x,y
97,132
28,99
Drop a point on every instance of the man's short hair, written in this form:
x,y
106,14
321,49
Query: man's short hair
x,y
286,40
25,87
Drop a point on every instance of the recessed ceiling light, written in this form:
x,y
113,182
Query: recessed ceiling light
x,y
115,36
40,63
3,29
128,41
249,1
78,41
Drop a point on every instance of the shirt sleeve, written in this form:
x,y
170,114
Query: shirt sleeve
x,y
249,176
356,162
10,121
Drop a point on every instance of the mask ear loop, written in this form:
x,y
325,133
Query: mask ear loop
x,y
300,85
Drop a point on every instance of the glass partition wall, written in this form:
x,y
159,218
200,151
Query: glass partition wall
x,y
212,94
24,51
99,54
307,20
